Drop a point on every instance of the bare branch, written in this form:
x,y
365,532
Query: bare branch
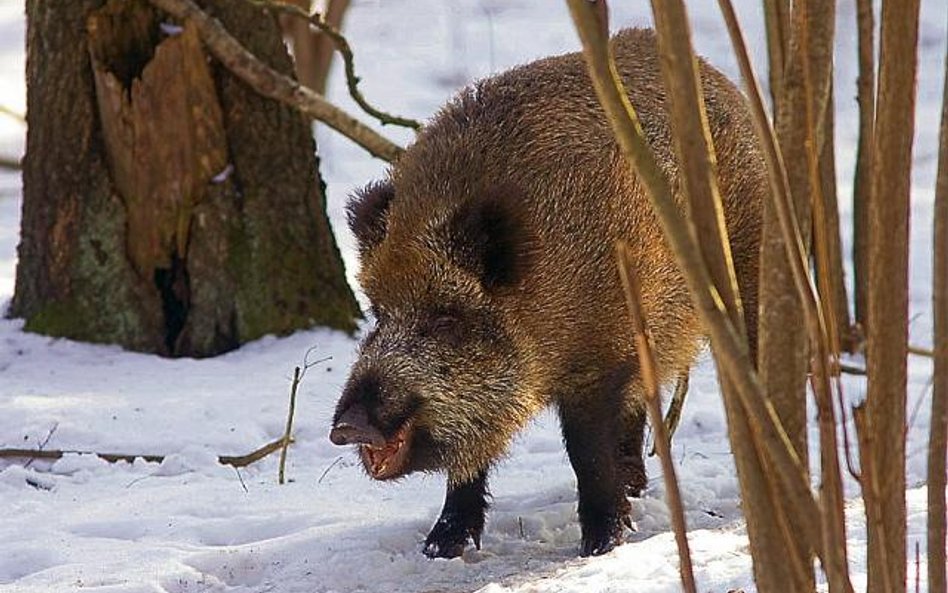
x,y
675,407
342,45
13,164
289,423
270,83
12,114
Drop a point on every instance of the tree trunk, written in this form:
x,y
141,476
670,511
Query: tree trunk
x,y
167,207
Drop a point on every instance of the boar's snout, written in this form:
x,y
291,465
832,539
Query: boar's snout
x,y
352,424
384,443
354,428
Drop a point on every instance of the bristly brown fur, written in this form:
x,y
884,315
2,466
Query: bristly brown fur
x,y
494,279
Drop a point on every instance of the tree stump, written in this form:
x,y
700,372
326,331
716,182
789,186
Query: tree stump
x,y
166,206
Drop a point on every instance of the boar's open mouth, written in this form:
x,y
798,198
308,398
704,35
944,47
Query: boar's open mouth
x,y
390,458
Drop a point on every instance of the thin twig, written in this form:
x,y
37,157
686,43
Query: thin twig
x,y
342,46
777,24
13,114
851,369
862,183
298,374
270,83
241,478
847,447
44,442
675,407
917,407
289,424
10,163
252,457
918,568
653,404
326,471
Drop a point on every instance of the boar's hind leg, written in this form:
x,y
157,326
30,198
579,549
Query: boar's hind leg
x,y
461,520
630,460
589,429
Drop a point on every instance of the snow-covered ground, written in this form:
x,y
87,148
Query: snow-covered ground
x,y
190,524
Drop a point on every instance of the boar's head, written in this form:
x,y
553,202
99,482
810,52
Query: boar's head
x,y
440,381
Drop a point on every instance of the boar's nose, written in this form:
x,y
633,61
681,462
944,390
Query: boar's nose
x,y
353,427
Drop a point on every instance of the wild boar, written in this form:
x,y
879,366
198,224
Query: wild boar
x,y
488,257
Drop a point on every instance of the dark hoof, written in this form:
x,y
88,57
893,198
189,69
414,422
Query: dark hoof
x,y
603,533
600,543
449,537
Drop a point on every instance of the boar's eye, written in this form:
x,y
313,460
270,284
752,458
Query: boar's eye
x,y
442,325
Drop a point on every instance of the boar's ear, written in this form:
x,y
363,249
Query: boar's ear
x,y
366,213
490,236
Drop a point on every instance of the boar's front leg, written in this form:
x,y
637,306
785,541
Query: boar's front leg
x,y
590,427
461,520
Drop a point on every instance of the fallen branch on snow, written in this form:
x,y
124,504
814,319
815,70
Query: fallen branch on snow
x,y
232,460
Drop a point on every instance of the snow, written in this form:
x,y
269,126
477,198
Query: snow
x,y
189,524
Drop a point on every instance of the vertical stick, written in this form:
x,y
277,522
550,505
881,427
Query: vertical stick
x,y
777,22
287,434
654,406
694,149
888,279
832,279
938,440
862,187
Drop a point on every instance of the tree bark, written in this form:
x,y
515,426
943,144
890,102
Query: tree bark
x,y
155,215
